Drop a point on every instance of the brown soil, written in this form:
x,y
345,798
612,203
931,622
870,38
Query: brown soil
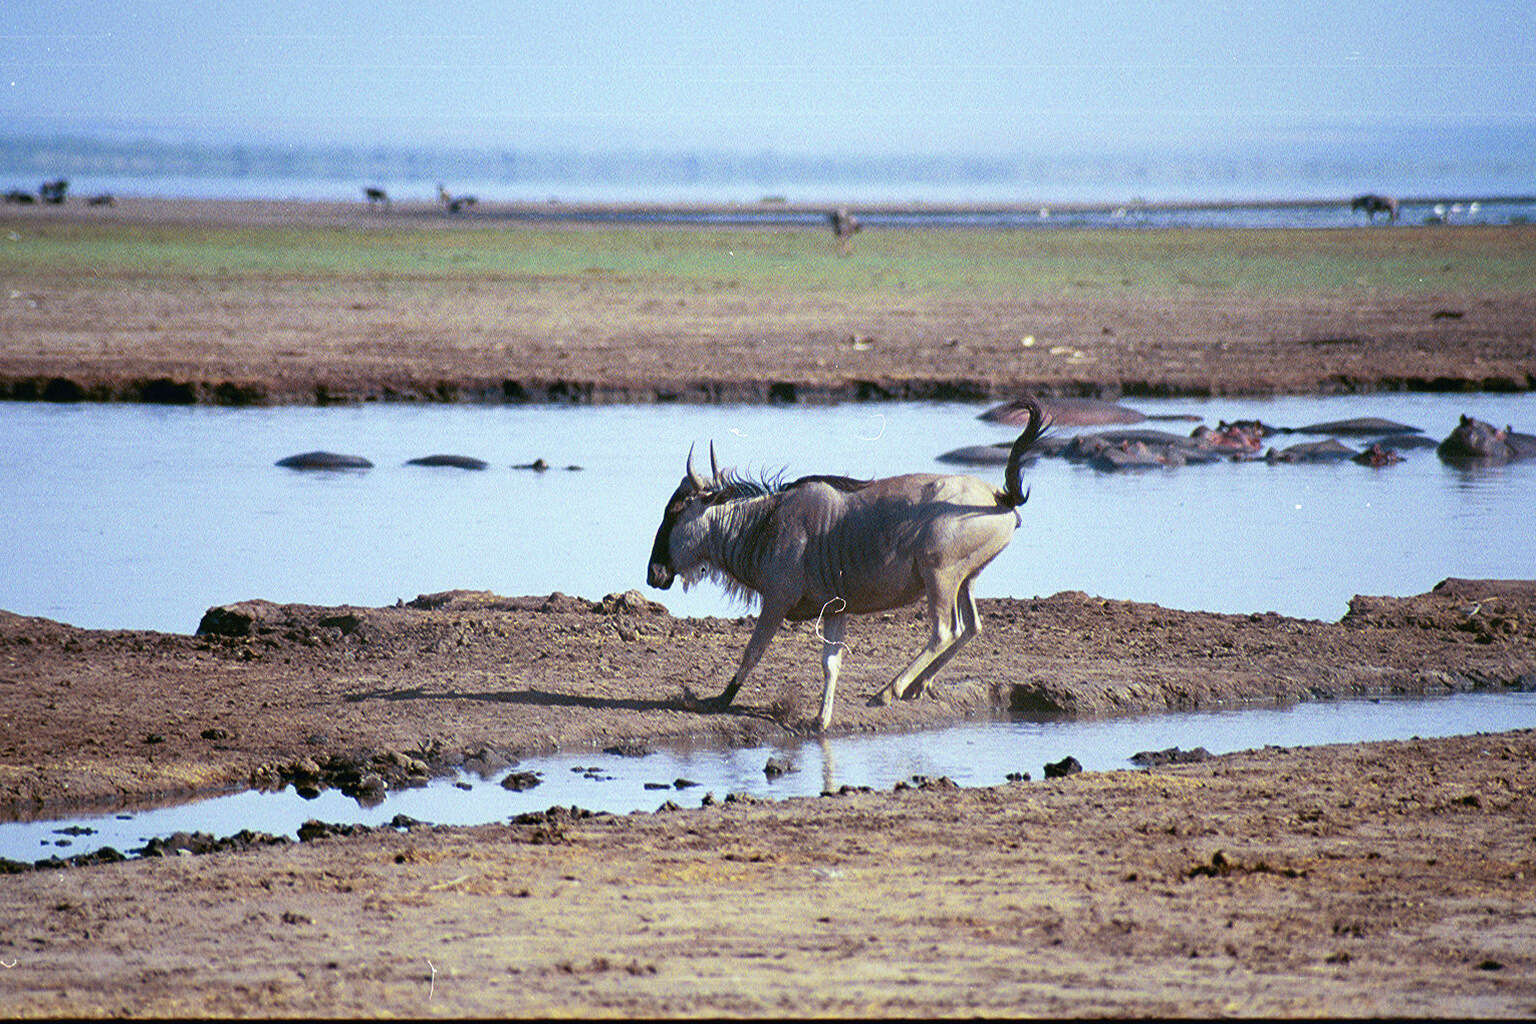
x,y
1393,878
251,338
1382,878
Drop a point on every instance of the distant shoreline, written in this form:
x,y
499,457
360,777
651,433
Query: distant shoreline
x,y
303,302
773,212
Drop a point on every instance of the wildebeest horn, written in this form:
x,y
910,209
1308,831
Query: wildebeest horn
x,y
714,468
693,476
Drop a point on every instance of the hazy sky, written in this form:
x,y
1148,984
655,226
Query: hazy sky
x,y
990,76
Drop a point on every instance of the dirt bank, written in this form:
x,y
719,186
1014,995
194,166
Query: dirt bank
x,y
100,716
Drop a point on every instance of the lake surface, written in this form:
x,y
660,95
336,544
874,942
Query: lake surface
x,y
127,516
973,754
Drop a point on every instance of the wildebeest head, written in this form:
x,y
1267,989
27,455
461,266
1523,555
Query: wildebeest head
x,y
685,505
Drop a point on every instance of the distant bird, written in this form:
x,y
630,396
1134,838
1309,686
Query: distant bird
x,y
1373,204
376,196
844,226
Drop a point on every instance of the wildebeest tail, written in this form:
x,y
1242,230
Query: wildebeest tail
x,y
1013,494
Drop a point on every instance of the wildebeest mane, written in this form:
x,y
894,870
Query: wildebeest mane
x,y
733,486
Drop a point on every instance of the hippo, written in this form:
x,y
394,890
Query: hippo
x,y
1134,448
1240,440
1064,412
1360,426
454,461
1312,451
1377,455
324,460
1474,441
1405,442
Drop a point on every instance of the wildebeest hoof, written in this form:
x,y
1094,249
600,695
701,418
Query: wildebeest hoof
x,y
881,698
696,703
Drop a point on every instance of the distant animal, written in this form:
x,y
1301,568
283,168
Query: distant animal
x,y
1065,412
826,547
451,202
844,226
1360,426
53,191
376,196
451,461
1474,441
102,199
324,460
1373,204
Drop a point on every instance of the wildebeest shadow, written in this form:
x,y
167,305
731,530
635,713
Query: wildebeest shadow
x,y
548,699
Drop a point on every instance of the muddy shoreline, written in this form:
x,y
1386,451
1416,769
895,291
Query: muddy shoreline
x,y
224,307
264,690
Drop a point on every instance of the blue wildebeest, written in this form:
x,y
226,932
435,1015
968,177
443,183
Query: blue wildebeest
x,y
1373,204
844,226
825,547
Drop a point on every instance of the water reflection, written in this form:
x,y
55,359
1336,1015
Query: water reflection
x,y
973,754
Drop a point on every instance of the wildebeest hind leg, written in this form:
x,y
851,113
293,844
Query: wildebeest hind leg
x,y
969,626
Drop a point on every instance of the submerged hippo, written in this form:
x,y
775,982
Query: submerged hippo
x,y
1378,455
1476,441
1360,426
454,461
1064,412
324,460
1312,451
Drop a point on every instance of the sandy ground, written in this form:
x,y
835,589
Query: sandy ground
x,y
1383,878
1391,878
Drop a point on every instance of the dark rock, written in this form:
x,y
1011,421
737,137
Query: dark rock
x,y
629,748
777,766
1172,755
1061,769
519,781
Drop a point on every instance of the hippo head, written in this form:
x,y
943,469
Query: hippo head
x,y
1474,439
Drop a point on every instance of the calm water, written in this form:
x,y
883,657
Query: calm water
x,y
125,516
978,754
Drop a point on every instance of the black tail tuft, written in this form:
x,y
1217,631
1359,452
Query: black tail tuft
x,y
1013,494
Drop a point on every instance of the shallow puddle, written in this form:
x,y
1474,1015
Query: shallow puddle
x,y
971,754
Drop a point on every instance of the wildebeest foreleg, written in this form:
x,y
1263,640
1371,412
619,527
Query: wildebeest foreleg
x,y
768,623
832,627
